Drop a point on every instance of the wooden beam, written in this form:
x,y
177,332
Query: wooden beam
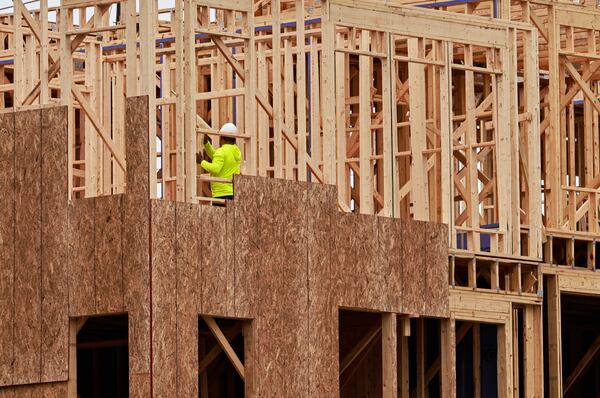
x,y
579,370
224,343
389,341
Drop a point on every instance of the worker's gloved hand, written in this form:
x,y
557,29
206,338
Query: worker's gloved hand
x,y
199,158
206,139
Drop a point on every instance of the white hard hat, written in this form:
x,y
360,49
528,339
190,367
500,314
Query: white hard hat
x,y
229,128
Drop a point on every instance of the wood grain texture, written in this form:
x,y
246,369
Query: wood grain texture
x,y
248,212
7,244
390,259
81,260
108,254
136,142
215,262
436,300
283,289
323,361
413,281
369,279
189,232
139,385
136,236
164,288
55,309
28,247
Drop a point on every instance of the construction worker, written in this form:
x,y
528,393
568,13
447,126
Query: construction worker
x,y
225,161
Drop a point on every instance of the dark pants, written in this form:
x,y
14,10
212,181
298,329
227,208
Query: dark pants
x,y
228,197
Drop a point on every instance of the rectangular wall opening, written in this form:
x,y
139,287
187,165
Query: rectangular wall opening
x,y
102,356
476,359
423,357
221,356
360,354
580,320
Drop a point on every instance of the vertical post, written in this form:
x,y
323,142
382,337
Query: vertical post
x,y
447,200
340,116
421,357
131,44
278,143
389,342
418,129
389,125
448,357
475,330
64,22
43,51
505,359
554,337
404,382
250,95
365,133
148,81
301,89
329,82
190,70
180,158
19,56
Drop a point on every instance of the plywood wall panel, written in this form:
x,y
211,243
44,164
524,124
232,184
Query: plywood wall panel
x,y
413,281
164,287
247,257
283,289
136,240
139,385
28,247
369,277
436,271
7,244
322,311
81,259
343,258
390,259
109,254
189,234
55,316
215,263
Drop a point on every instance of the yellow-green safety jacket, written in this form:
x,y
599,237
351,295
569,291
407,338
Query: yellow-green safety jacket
x,y
225,163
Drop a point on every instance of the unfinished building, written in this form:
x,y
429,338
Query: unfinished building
x,y
417,213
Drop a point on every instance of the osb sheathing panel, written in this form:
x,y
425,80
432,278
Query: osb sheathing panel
x,y
28,246
82,298
55,318
280,254
136,232
323,364
188,239
164,284
7,242
108,254
436,298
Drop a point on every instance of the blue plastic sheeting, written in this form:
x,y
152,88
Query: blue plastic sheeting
x,y
484,239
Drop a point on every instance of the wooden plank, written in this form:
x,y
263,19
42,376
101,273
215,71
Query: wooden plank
x,y
81,261
188,241
554,337
222,340
28,247
389,341
214,296
436,272
418,142
448,357
164,288
390,259
136,238
366,205
55,227
108,257
413,278
7,245
322,311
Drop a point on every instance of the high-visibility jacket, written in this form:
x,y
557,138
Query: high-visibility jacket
x,y
225,163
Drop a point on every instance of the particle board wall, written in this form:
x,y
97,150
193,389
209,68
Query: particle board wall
x,y
280,255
